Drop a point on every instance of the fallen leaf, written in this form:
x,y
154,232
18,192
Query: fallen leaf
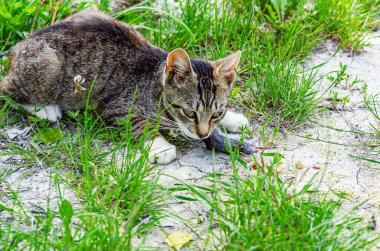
x,y
49,135
298,165
178,239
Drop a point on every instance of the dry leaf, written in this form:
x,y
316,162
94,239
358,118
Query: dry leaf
x,y
178,239
298,165
316,167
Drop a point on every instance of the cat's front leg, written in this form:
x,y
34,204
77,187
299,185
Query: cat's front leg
x,y
161,151
221,143
49,112
234,121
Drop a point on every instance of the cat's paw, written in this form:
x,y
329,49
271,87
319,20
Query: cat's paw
x,y
161,151
49,112
234,121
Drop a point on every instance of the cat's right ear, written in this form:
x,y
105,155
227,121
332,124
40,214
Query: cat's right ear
x,y
178,63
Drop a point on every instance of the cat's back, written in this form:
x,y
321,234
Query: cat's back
x,y
92,26
90,44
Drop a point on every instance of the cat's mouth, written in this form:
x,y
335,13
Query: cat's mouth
x,y
187,132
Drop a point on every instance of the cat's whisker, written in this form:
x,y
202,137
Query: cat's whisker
x,y
169,122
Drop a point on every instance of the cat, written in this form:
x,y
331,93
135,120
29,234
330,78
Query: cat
x,y
53,68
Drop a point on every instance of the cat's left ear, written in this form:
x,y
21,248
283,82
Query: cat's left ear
x,y
225,68
178,62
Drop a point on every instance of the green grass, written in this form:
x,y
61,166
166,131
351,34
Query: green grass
x,y
120,198
291,94
256,210
373,105
349,20
18,18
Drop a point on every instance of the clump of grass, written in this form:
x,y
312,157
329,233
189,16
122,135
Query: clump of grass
x,y
120,201
279,89
19,18
347,20
256,210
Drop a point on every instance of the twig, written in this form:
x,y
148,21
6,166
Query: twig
x,y
4,147
35,16
56,7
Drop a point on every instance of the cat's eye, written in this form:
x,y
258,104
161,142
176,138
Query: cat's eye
x,y
189,114
216,115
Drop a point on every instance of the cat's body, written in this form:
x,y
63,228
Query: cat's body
x,y
90,47
94,47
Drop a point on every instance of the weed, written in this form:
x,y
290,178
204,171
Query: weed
x,y
277,89
373,105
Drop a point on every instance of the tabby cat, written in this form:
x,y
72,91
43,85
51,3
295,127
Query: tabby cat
x,y
53,68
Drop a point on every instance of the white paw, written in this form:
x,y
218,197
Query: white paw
x,y
161,151
49,112
233,122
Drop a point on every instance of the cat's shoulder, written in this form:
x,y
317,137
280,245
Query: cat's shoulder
x,y
88,15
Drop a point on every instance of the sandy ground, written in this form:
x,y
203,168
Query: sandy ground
x,y
311,150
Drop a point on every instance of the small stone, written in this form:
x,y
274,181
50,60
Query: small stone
x,y
14,132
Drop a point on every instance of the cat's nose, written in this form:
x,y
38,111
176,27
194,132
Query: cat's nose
x,y
203,131
202,135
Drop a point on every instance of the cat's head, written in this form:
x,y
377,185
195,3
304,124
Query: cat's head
x,y
196,92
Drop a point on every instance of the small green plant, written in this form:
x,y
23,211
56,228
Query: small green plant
x,y
283,93
334,96
340,75
343,78
372,103
267,139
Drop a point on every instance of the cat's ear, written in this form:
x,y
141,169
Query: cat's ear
x,y
178,62
225,68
